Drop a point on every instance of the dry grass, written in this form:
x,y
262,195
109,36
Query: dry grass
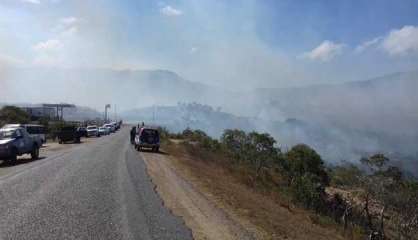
x,y
268,210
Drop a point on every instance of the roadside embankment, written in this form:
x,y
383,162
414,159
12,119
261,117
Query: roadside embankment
x,y
215,205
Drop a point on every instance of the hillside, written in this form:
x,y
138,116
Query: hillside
x,y
196,116
385,104
96,87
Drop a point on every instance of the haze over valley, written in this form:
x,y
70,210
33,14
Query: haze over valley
x,y
343,122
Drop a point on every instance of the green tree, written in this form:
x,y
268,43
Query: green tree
x,y
262,150
236,143
302,159
307,176
12,114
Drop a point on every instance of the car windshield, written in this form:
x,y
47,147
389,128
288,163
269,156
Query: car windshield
x,y
91,128
7,134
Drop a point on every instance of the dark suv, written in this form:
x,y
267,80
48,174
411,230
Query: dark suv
x,y
147,138
68,134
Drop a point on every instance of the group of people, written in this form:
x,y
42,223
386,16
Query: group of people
x,y
134,130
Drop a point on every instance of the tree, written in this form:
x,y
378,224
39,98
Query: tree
x,y
347,174
302,159
307,191
262,150
386,184
236,143
12,114
307,176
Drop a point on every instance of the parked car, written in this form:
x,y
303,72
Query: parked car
x,y
102,131
107,129
147,138
68,134
111,127
93,131
17,141
34,130
114,126
82,131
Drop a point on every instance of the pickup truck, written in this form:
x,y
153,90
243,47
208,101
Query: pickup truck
x,y
17,141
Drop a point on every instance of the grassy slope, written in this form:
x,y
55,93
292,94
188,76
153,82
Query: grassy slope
x,y
269,210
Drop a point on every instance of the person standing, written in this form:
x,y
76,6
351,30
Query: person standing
x,y
133,132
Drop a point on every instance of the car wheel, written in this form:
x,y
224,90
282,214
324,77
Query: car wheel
x,y
157,149
35,152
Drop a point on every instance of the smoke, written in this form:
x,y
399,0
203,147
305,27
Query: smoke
x,y
234,58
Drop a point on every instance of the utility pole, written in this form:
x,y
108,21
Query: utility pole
x,y
106,107
115,114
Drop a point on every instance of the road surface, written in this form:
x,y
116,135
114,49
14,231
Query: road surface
x,y
98,190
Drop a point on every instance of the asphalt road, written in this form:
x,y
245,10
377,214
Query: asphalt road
x,y
98,190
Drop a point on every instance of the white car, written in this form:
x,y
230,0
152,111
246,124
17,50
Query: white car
x,y
103,131
110,126
92,131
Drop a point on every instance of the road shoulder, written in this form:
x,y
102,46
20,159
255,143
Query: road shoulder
x,y
200,210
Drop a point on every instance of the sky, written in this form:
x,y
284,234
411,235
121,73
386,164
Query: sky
x,y
231,44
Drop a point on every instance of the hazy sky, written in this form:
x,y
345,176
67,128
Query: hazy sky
x,y
233,44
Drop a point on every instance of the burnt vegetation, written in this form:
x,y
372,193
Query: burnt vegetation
x,y
370,198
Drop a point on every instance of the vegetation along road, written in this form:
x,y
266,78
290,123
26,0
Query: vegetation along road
x,y
98,190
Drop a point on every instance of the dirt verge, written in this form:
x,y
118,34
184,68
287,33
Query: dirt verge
x,y
216,206
206,220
